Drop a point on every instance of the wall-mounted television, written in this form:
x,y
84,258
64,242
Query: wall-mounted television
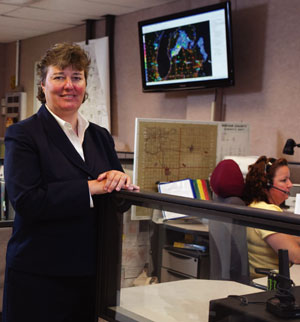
x,y
187,50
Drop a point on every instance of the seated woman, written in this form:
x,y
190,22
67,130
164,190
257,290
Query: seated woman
x,y
267,186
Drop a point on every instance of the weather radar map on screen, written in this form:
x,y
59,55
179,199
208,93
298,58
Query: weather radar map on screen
x,y
178,53
190,49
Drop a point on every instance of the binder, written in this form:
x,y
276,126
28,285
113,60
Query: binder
x,y
184,188
202,188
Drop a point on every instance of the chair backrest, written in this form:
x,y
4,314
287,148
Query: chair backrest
x,y
228,248
228,241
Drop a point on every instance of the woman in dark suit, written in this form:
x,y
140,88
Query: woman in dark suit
x,y
59,170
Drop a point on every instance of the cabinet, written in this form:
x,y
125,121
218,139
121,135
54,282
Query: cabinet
x,y
179,263
15,107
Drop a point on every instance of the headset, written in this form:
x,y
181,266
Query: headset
x,y
269,182
269,185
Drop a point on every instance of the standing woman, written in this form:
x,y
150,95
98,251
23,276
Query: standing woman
x,y
59,169
267,186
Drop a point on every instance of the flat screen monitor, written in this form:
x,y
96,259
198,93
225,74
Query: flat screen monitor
x,y
187,50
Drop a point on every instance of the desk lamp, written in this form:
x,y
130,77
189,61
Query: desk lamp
x,y
289,147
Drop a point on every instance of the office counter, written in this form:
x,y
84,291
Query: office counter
x,y
186,300
178,300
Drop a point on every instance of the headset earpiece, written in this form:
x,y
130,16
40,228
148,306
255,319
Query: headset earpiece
x,y
268,165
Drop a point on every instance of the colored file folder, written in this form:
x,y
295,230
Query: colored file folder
x,y
184,188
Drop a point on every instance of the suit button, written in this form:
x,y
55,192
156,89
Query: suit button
x,y
89,178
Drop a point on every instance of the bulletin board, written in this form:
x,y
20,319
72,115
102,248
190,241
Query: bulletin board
x,y
170,150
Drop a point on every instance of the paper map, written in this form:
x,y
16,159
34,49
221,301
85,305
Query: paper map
x,y
170,150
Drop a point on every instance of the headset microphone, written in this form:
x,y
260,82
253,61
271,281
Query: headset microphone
x,y
286,192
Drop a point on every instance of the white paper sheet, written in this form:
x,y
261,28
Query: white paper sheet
x,y
297,205
182,188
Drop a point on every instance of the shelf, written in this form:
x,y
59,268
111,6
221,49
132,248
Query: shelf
x,y
6,223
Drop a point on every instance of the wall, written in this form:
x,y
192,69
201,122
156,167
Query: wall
x,y
9,65
2,69
266,47
267,65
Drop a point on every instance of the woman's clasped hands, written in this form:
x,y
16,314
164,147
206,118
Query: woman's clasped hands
x,y
111,180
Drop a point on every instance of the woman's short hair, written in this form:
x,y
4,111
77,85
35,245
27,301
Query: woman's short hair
x,y
62,55
259,178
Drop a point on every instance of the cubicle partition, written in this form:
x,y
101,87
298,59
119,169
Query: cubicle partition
x,y
182,298
179,300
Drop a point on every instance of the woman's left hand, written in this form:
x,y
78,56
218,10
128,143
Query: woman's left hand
x,y
116,180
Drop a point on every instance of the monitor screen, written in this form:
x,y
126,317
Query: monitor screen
x,y
188,50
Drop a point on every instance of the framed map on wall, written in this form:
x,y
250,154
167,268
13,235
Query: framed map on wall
x,y
170,150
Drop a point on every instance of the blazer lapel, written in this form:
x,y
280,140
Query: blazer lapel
x,y
94,160
59,138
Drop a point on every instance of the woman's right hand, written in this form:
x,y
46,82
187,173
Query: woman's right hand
x,y
110,181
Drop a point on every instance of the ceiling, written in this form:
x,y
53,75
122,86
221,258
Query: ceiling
x,y
22,19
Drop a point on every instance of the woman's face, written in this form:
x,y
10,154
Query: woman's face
x,y
64,90
281,180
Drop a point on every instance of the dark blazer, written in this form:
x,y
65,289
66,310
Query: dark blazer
x,y
55,229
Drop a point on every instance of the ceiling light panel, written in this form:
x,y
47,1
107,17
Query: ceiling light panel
x,y
19,2
133,5
5,8
20,23
81,7
50,16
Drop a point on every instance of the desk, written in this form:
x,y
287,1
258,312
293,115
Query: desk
x,y
185,300
176,263
187,226
165,233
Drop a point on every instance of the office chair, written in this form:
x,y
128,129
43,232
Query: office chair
x,y
228,248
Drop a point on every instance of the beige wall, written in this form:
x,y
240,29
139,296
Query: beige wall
x,y
2,69
9,63
266,47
